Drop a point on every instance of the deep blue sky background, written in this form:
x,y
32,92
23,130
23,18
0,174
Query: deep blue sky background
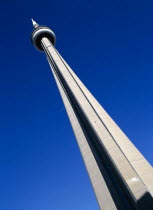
x,y
109,45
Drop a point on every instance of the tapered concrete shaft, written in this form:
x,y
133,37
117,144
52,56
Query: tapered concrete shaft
x,y
120,175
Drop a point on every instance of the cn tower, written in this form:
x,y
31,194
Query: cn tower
x,y
121,177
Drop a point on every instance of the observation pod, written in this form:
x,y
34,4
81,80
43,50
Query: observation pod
x,y
40,32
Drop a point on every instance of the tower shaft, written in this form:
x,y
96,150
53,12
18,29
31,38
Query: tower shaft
x,y
121,177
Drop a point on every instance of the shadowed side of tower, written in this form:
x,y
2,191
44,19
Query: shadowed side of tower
x,y
121,177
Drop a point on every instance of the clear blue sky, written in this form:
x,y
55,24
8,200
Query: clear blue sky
x,y
109,45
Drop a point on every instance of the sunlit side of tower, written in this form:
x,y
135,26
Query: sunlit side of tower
x,y
121,177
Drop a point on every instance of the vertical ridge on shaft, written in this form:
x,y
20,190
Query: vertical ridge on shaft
x,y
99,185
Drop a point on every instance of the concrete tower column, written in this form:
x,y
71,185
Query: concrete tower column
x,y
121,177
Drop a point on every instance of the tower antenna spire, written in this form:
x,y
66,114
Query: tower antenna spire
x,y
35,25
